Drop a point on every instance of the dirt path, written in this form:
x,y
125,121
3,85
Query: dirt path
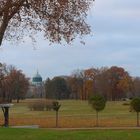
x,y
98,128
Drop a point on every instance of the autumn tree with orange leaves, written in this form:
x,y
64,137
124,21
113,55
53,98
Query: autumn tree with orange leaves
x,y
91,75
113,83
58,19
14,85
120,82
77,83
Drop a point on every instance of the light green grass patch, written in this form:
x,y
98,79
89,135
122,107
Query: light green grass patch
x,y
45,134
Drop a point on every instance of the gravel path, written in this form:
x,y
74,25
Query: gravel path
x,y
83,128
25,126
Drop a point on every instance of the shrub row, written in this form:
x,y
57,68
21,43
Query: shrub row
x,y
41,105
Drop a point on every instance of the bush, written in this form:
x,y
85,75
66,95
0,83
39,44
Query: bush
x,y
126,103
49,105
40,105
37,105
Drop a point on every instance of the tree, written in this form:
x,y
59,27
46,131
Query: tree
x,y
1,84
56,107
14,85
48,88
98,78
19,84
102,85
88,88
98,103
4,71
58,19
119,81
135,105
77,81
57,88
74,87
136,87
91,74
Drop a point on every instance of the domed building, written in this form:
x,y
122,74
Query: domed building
x,y
37,79
36,89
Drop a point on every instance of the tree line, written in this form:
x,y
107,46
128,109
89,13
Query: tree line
x,y
114,83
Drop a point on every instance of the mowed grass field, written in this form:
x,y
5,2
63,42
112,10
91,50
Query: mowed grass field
x,y
45,134
73,113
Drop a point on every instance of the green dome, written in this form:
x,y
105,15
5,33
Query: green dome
x,y
37,78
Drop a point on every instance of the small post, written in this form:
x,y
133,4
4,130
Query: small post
x,y
5,109
56,119
6,116
138,119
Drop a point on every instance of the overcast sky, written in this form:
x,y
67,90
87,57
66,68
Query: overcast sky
x,y
116,38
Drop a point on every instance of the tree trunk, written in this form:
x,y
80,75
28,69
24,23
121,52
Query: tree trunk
x,y
3,27
17,100
137,119
56,118
7,17
97,122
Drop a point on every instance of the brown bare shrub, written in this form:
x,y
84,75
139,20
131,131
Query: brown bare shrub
x,y
40,105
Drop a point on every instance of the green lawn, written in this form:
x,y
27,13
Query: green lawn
x,y
72,114
45,134
72,107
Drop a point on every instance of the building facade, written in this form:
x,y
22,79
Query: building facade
x,y
36,89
